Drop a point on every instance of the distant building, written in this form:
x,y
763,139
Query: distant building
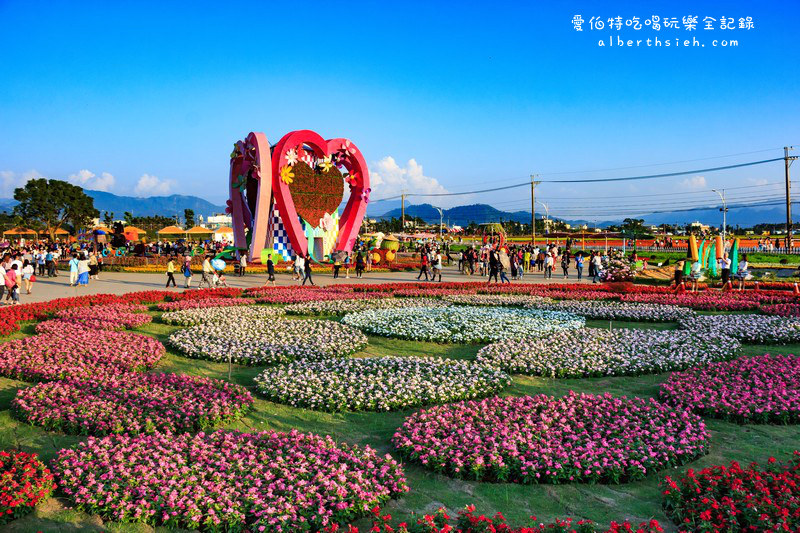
x,y
219,220
697,226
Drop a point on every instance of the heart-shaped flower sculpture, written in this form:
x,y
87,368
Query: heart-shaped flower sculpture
x,y
301,177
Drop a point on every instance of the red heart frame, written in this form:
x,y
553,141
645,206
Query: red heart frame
x,y
343,153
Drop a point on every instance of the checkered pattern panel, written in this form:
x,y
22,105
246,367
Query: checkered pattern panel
x,y
281,242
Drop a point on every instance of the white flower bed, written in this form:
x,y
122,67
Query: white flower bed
x,y
461,324
342,307
209,315
380,384
750,329
268,341
604,310
509,300
601,352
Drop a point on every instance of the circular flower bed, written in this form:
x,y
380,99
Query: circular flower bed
x,y
24,482
759,389
132,404
541,439
227,481
207,315
342,307
510,300
266,342
602,352
78,352
605,310
732,498
752,329
381,384
116,316
461,323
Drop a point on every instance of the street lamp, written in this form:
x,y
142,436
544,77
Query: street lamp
x,y
441,218
546,216
724,210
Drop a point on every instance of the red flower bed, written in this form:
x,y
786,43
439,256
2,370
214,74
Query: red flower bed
x,y
468,521
202,294
792,310
732,498
24,482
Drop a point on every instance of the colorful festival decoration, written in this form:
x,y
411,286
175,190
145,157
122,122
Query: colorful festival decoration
x,y
285,199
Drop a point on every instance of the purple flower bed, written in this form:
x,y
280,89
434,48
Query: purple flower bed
x,y
227,481
763,389
542,439
115,316
203,302
78,352
133,404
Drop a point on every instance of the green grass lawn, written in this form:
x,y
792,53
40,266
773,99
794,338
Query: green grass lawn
x,y
602,503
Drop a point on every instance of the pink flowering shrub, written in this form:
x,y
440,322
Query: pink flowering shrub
x,y
77,352
542,439
195,303
763,389
227,481
133,404
112,316
792,310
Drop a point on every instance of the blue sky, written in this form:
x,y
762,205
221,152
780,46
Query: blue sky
x,y
459,95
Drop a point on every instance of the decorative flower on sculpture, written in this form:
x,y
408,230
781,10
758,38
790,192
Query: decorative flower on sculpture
x,y
326,163
291,157
287,176
327,222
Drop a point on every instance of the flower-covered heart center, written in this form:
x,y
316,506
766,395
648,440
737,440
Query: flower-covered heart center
x,y
315,192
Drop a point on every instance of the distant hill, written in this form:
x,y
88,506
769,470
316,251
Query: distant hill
x,y
460,215
152,205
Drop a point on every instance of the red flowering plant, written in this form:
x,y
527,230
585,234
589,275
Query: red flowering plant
x,y
733,498
24,482
468,521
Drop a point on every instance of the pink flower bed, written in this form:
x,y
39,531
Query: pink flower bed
x,y
761,389
133,404
194,303
227,481
77,352
112,316
542,439
703,301
300,295
792,310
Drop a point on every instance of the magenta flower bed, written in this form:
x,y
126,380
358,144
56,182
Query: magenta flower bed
x,y
313,295
78,352
542,439
759,389
131,403
203,302
227,481
115,316
792,310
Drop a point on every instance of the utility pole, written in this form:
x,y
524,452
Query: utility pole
x,y
534,183
786,160
403,212
724,210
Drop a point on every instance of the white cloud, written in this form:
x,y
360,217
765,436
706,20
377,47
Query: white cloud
x,y
694,183
153,186
88,180
10,180
389,178
757,181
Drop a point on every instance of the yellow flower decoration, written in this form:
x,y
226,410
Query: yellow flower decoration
x,y
287,175
326,163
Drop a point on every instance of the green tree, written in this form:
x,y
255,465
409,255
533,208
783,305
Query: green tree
x,y
108,218
188,216
54,203
127,216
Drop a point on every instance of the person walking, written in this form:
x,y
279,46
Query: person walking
x,y
494,265
741,271
12,284
597,262
579,265
51,264
307,263
347,262
242,264
725,271
337,265
300,268
548,266
359,264
270,271
93,266
73,270
437,267
171,272
187,272
565,264
207,274
28,276
83,271
423,267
